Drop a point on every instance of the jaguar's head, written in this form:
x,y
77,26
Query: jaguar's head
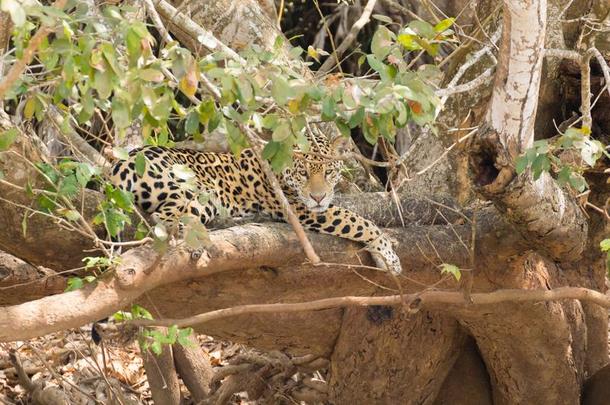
x,y
313,177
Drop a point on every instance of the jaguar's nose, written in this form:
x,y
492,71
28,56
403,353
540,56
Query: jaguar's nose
x,y
317,197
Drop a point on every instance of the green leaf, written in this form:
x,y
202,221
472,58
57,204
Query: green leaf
x,y
74,283
578,182
279,42
141,231
540,164
29,108
408,42
156,347
381,45
68,186
114,221
183,172
423,28
45,203
195,234
451,269
237,141
270,149
7,138
120,113
604,245
270,121
521,164
139,312
151,75
356,118
71,215
160,232
16,10
382,18
183,337
121,198
379,67
102,82
84,172
564,175
282,131
140,162
99,262
191,124
328,109
313,53
590,150
283,157
120,153
281,90
444,25
343,128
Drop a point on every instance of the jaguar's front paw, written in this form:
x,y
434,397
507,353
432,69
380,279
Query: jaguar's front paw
x,y
384,256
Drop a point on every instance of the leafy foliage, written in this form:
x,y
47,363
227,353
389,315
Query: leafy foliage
x,y
542,157
451,269
116,71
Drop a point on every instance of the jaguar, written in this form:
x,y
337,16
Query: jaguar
x,y
238,185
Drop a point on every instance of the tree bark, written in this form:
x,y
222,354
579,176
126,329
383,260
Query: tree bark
x,y
162,376
194,368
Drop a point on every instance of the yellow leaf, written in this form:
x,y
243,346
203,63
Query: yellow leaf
x,y
313,53
293,106
30,108
189,82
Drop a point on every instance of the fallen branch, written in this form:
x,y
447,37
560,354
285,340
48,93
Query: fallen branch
x,y
436,299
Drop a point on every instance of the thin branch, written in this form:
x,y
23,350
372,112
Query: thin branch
x,y
443,299
462,139
483,78
577,57
585,90
205,37
453,88
28,54
329,63
256,148
152,12
77,143
330,34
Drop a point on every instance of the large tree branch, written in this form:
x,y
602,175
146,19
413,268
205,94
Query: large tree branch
x,y
272,246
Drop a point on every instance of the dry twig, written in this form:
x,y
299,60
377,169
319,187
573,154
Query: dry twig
x,y
349,39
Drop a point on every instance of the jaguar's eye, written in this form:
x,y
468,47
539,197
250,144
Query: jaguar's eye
x,y
303,173
329,172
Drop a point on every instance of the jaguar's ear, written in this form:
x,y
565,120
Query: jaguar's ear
x,y
341,144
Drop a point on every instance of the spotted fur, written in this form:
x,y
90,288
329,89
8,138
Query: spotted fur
x,y
239,185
